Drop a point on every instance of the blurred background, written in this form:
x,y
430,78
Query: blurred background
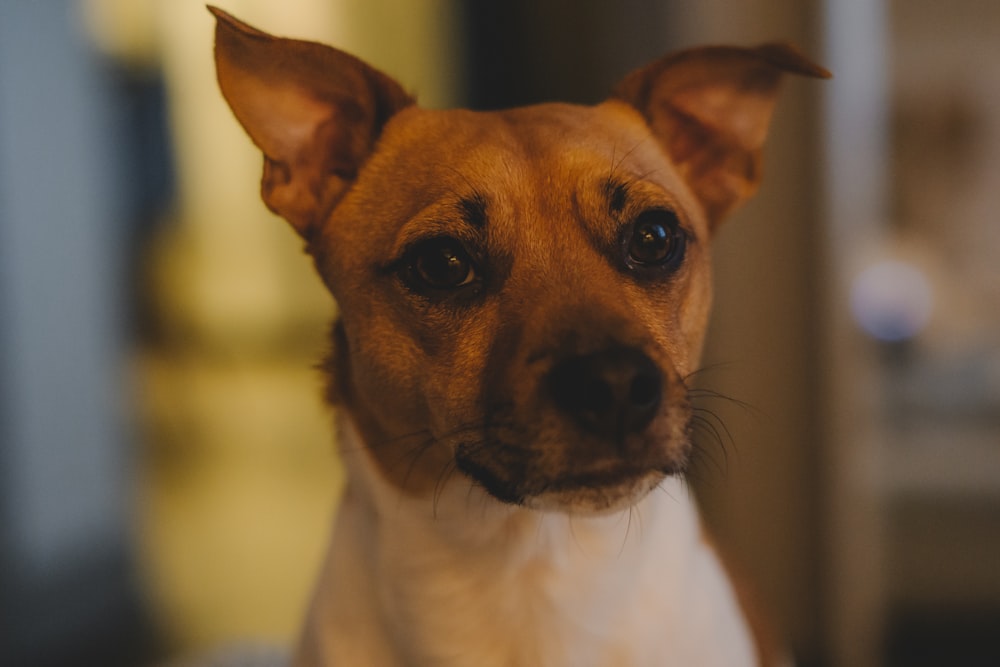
x,y
167,471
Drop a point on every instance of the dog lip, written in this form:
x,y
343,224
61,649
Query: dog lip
x,y
494,484
516,479
605,477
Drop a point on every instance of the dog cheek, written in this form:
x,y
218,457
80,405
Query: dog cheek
x,y
385,375
451,396
695,312
682,331
673,429
460,388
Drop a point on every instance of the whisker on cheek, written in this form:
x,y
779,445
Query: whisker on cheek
x,y
703,448
414,446
628,530
446,470
711,438
391,442
414,455
708,423
660,488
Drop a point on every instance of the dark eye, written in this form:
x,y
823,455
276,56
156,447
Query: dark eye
x,y
441,264
657,240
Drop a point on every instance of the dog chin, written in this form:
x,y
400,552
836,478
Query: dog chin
x,y
592,495
594,498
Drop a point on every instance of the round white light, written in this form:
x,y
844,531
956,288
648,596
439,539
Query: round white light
x,y
892,300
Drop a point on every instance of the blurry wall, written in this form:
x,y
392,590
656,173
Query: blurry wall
x,y
65,475
913,147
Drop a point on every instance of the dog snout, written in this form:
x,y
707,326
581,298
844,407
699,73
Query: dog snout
x,y
611,393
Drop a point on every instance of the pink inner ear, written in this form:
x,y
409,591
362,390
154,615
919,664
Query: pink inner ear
x,y
310,145
280,118
315,112
686,134
742,116
714,161
319,161
710,108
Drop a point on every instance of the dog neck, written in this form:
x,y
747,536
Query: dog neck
x,y
450,581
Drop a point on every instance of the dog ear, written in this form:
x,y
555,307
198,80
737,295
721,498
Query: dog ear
x,y
315,112
710,108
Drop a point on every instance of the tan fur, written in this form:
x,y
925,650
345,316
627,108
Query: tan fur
x,y
548,373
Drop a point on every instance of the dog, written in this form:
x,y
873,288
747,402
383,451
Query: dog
x,y
523,297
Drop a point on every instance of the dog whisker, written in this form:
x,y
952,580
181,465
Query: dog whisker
x,y
662,489
425,439
390,442
621,161
700,449
628,530
446,471
638,517
572,532
708,368
710,437
414,455
703,393
711,423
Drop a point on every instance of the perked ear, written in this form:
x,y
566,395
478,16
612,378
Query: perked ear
x,y
315,112
710,108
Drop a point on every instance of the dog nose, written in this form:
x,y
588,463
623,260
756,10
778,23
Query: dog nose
x,y
613,392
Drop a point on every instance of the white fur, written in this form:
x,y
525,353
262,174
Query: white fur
x,y
466,581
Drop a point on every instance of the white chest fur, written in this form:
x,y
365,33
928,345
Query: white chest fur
x,y
468,581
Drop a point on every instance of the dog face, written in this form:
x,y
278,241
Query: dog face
x,y
522,293
524,309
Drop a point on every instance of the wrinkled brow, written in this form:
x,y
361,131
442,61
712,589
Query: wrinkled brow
x,y
473,210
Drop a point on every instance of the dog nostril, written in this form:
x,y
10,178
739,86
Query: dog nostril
x,y
645,390
594,394
611,393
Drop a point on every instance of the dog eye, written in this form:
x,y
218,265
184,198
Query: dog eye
x,y
657,240
441,264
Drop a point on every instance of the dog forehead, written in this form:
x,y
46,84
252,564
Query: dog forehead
x,y
534,153
544,133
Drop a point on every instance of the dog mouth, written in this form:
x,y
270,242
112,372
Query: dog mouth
x,y
527,480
